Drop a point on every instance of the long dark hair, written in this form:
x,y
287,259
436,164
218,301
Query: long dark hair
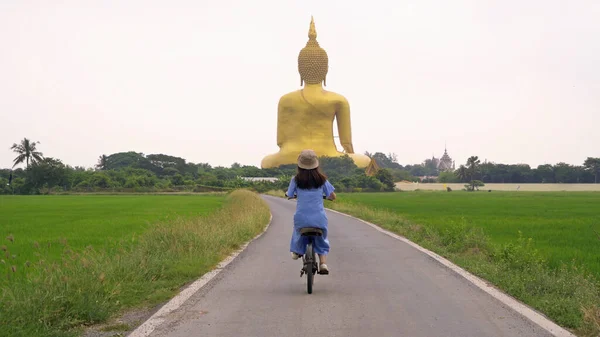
x,y
310,179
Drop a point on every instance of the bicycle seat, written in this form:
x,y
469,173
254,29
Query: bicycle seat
x,y
308,231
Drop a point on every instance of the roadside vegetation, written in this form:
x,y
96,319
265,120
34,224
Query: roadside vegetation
x,y
541,248
97,220
47,296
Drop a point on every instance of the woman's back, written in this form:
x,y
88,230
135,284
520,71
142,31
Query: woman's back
x,y
310,211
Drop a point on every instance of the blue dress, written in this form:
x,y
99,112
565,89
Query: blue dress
x,y
310,213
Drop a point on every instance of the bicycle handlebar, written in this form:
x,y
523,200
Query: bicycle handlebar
x,y
296,197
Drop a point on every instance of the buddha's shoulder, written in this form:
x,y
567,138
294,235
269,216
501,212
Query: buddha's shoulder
x,y
335,97
331,96
290,96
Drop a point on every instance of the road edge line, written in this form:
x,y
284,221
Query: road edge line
x,y
146,328
506,299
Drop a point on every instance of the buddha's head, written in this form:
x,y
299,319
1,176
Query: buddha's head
x,y
313,62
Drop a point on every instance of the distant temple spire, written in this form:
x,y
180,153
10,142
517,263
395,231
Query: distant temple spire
x,y
446,163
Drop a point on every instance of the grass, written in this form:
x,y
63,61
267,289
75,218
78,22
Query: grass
x,y
538,247
99,221
90,285
561,224
116,327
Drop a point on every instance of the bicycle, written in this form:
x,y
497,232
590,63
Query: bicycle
x,y
310,267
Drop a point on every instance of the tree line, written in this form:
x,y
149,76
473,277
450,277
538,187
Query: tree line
x,y
133,171
490,172
561,173
137,172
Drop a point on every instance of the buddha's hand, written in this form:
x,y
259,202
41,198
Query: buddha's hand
x,y
348,148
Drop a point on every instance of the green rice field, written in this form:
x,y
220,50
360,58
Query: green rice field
x,y
564,226
96,220
122,252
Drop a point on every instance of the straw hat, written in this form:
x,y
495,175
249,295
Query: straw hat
x,y
308,160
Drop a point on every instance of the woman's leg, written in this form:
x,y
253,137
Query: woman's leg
x,y
298,243
322,259
322,249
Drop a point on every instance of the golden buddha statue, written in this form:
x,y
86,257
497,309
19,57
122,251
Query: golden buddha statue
x,y
305,117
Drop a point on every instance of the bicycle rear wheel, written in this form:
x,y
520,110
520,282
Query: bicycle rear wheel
x,y
308,265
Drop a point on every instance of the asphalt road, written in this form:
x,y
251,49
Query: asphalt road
x,y
377,286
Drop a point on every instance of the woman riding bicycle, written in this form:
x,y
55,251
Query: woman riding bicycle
x,y
310,185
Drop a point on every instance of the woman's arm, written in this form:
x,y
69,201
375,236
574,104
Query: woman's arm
x,y
328,190
291,189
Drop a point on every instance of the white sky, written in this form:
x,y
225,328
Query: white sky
x,y
510,81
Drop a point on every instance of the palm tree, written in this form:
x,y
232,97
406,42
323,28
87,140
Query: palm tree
x,y
27,152
462,173
473,167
